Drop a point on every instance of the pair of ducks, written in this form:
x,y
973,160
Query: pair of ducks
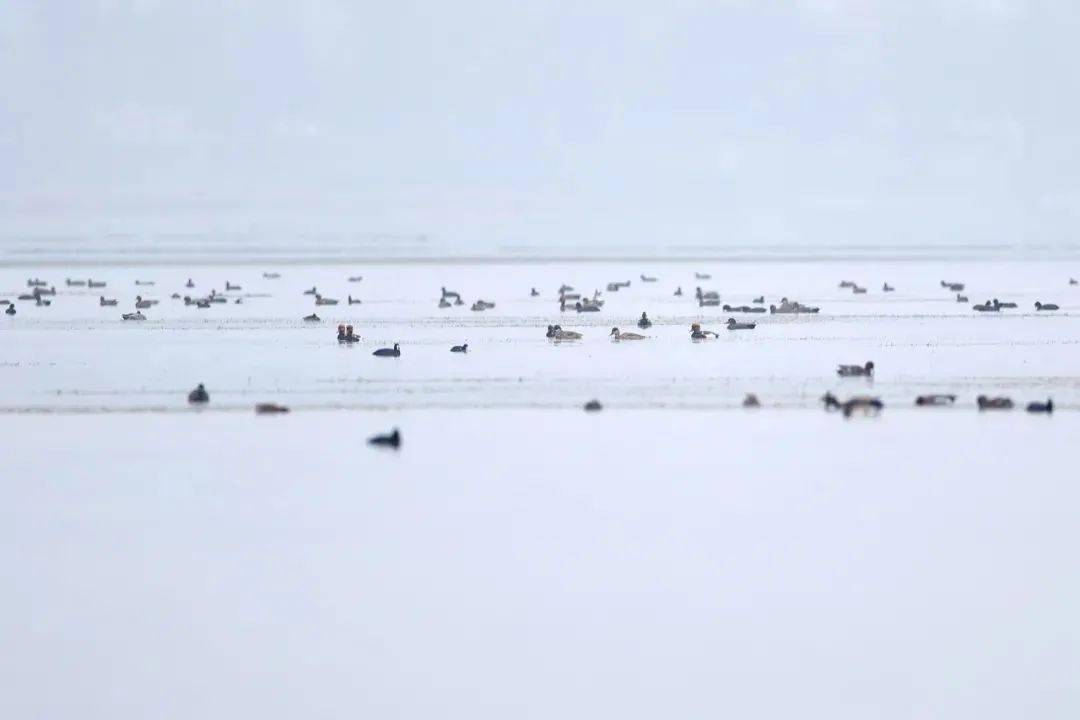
x,y
994,305
864,403
346,335
1005,403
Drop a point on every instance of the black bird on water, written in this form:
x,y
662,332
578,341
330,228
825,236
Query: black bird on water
x,y
198,396
392,440
460,348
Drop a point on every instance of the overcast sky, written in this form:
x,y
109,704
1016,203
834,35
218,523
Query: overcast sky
x,y
616,121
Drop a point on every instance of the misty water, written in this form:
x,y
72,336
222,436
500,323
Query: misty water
x,y
674,554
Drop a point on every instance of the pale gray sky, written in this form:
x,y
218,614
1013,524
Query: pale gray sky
x,y
611,121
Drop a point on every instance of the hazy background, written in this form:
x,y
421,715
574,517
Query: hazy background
x,y
486,123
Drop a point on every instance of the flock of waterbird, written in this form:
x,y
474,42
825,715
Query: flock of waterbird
x,y
42,294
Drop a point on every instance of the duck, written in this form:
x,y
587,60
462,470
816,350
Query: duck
x,y
1045,306
74,283
644,322
463,348
133,316
708,302
986,307
557,333
751,401
887,288
198,396
175,296
646,278
320,300
733,324
593,406
238,301
103,302
272,275
869,405
953,286
10,310
270,409
356,278
229,286
706,294
1006,305
866,370
312,291
858,290
388,352
759,301
696,333
1040,407
961,298
450,293
444,303
52,290
1073,281
35,282
625,336
144,282
390,440
830,401
678,291
534,292
586,307
203,303
190,283
141,304
354,301
702,276
935,400
459,301
307,318
844,284
994,403
42,302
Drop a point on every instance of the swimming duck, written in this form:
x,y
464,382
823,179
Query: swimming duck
x,y
534,293
935,400
307,318
1073,281
593,406
354,301
175,296
733,324
202,303
141,304
190,283
133,316
644,322
953,286
36,282
1045,306
987,307
392,440
356,278
229,286
586,307
450,294
703,276
696,333
1038,407
74,283
870,405
320,300
961,298
645,278
444,303
198,396
238,301
844,284
144,282
1006,305
678,291
388,352
708,302
10,310
561,334
103,302
270,409
830,401
751,401
887,288
625,336
272,275
759,300
27,296
994,403
866,370
460,348
858,290
706,295
42,302
312,291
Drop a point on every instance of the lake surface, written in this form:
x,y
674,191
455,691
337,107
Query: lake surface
x,y
673,555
